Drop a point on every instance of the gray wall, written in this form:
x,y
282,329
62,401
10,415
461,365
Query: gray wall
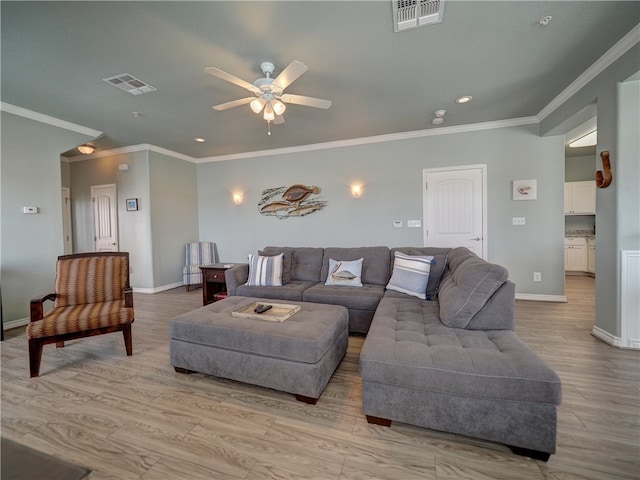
x,y
174,215
134,228
611,202
30,176
154,235
391,173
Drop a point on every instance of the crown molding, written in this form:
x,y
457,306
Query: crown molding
x,y
610,56
143,147
392,137
42,118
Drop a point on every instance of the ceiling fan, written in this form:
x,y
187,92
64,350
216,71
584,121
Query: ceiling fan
x,y
269,96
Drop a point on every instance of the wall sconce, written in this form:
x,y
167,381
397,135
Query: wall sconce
x,y
86,149
356,190
237,198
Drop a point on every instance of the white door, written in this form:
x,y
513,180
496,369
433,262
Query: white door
x,y
67,232
105,218
454,208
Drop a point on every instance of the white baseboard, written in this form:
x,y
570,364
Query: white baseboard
x,y
606,337
20,322
157,289
541,298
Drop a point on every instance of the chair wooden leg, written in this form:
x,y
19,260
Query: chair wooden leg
x,y
187,287
128,344
35,356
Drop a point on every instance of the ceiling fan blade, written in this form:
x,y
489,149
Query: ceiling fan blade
x,y
279,120
306,101
290,74
216,72
235,103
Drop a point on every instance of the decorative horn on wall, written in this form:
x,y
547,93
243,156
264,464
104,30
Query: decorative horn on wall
x,y
603,180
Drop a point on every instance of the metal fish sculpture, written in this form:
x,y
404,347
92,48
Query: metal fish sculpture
x,y
297,193
275,207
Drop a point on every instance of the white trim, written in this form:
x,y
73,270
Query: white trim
x,y
629,303
391,137
613,54
42,118
606,337
541,298
143,147
151,291
20,322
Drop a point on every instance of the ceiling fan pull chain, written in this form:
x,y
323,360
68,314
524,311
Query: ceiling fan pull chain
x,y
268,128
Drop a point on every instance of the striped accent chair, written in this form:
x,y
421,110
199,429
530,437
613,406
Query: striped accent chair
x,y
92,297
197,254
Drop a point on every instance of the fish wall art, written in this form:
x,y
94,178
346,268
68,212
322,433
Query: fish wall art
x,y
294,201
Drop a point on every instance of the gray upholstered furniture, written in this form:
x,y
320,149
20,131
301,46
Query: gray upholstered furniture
x,y
305,273
297,356
456,365
452,363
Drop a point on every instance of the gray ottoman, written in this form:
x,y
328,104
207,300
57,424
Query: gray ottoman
x,y
297,356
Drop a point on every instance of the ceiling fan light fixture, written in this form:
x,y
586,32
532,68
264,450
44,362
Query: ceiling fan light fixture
x,y
279,107
269,114
257,105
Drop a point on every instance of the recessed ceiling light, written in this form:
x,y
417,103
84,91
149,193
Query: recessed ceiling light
x,y
437,121
464,99
199,139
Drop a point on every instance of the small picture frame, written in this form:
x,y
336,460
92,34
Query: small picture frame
x,y
132,204
525,189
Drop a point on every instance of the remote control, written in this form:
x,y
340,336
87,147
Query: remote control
x,y
262,308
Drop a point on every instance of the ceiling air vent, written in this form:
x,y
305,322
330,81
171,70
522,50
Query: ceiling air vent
x,y
416,13
130,84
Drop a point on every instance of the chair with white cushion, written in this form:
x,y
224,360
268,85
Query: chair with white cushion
x,y
197,254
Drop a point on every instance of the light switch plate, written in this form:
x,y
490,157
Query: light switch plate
x,y
414,223
518,221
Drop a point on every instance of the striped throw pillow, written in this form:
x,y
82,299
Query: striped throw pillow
x,y
410,274
265,271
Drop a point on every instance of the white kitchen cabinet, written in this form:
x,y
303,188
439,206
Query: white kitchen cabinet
x,y
591,255
575,254
580,198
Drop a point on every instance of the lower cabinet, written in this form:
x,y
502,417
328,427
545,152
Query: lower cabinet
x,y
579,254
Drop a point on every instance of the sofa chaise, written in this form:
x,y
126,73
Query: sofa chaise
x,y
443,356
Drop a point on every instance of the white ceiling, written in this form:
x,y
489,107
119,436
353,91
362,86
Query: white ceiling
x,y
55,55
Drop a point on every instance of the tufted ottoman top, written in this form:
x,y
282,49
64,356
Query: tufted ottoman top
x,y
408,346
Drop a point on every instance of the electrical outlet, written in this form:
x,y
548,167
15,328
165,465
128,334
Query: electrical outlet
x,y
537,276
517,221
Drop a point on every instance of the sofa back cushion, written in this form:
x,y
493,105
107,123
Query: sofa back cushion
x,y
375,264
467,286
300,263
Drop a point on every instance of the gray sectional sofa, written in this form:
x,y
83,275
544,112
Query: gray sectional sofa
x,y
451,362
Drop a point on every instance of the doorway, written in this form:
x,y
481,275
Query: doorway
x,y
105,217
455,207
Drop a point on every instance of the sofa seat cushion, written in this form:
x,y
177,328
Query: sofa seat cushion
x,y
290,291
409,347
366,297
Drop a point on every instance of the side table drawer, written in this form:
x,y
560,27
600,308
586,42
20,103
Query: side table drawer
x,y
216,276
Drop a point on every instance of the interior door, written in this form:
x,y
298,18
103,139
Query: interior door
x,y
105,218
67,233
454,208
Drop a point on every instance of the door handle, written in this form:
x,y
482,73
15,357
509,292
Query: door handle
x,y
477,239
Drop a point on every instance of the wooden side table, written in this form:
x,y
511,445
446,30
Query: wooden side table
x,y
214,285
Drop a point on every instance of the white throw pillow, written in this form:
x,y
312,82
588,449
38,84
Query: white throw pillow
x,y
410,274
265,271
345,273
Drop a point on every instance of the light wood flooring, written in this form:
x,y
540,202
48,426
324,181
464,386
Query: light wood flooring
x,y
135,418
